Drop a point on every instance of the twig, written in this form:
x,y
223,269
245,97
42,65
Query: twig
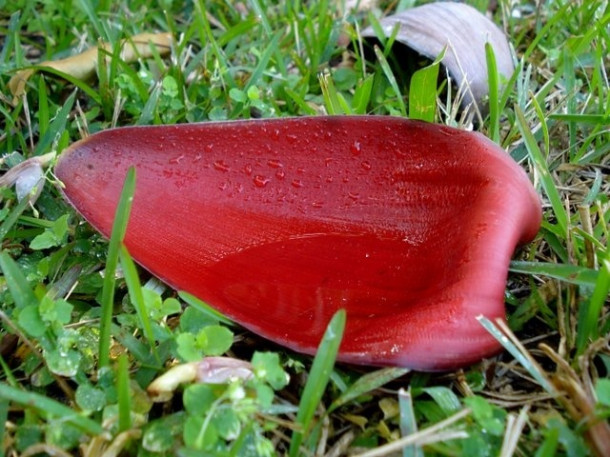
x,y
428,435
514,427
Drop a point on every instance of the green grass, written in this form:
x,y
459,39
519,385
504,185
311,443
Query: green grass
x,y
84,331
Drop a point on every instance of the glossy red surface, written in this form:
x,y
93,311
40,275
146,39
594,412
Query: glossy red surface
x,y
278,223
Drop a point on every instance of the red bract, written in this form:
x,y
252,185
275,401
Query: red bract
x,y
279,223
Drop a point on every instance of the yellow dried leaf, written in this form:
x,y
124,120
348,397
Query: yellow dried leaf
x,y
360,421
82,66
390,407
385,432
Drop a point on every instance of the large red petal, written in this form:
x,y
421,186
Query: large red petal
x,y
279,223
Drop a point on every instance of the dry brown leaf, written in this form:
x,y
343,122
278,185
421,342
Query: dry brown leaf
x,y
578,400
82,66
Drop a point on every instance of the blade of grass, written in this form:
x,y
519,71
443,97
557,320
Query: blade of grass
x,y
3,421
569,81
43,106
243,27
103,77
423,89
332,99
408,424
436,433
548,448
133,345
9,377
11,34
572,274
207,36
319,376
445,398
377,28
57,126
593,119
387,71
89,9
123,395
367,383
52,408
148,112
543,125
505,337
362,95
80,84
137,298
205,308
17,283
545,176
559,16
119,227
301,103
12,217
263,61
590,314
262,16
494,102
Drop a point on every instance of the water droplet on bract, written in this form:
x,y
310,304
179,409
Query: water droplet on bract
x,y
275,134
220,165
366,165
280,174
329,179
248,169
208,147
354,196
261,181
356,148
297,183
291,138
197,158
317,204
274,163
96,149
